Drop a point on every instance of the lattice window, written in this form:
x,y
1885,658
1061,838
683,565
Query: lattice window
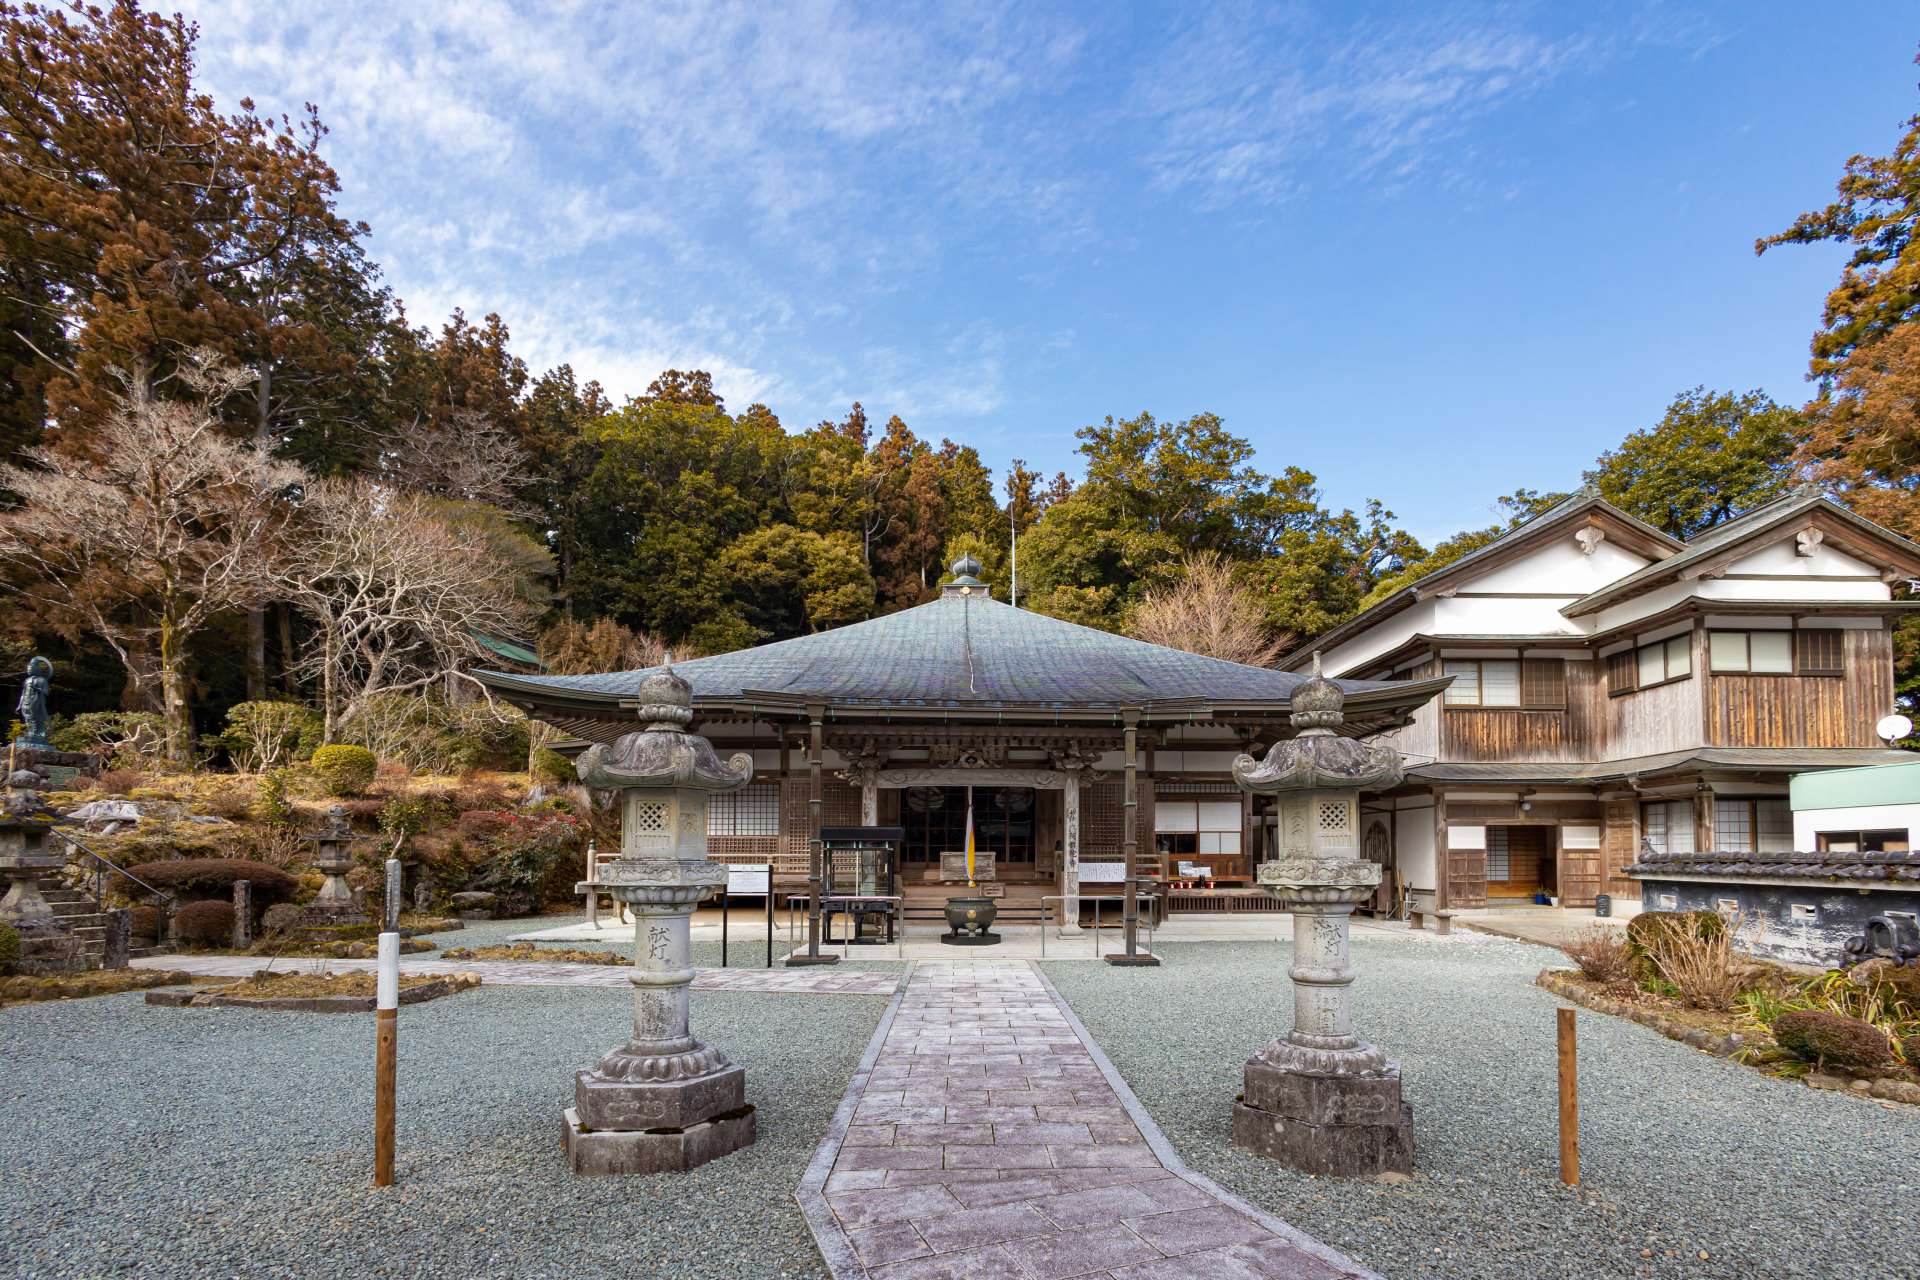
x,y
751,811
1335,818
1499,855
650,817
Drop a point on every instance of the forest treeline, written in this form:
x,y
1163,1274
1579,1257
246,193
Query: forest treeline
x,y
238,469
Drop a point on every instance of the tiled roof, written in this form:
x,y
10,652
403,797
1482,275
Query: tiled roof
x,y
1781,759
1899,869
958,651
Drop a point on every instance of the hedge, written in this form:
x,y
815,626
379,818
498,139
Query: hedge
x,y
200,878
206,924
1820,1036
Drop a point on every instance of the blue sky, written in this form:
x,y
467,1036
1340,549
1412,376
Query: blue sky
x,y
1429,252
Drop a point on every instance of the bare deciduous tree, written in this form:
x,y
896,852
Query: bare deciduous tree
x,y
463,455
574,648
164,524
396,592
1208,611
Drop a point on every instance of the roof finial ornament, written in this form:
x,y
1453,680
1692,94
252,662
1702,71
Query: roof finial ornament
x,y
1319,705
966,578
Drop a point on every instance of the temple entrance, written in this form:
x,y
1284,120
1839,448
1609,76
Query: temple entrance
x,y
1521,861
935,821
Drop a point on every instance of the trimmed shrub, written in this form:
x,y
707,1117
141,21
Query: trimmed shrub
x,y
1910,1050
345,770
1822,1037
145,923
9,948
551,767
197,878
204,924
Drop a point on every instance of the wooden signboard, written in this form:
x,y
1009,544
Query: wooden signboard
x,y
953,865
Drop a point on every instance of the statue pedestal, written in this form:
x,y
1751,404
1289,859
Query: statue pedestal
x,y
664,1102
1321,1099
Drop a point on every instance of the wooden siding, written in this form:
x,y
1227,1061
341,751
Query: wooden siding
x,y
1581,871
1807,711
1466,877
1648,721
1513,733
1620,844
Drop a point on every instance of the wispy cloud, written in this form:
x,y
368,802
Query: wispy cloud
x,y
802,197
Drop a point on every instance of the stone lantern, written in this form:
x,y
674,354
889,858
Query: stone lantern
x,y
1321,1099
332,860
47,943
663,1101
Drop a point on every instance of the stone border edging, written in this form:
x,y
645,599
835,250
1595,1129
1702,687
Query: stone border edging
x,y
828,1235
419,993
1556,982
1164,1150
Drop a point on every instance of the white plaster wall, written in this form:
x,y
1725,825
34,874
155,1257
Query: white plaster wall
x,y
1809,823
1560,565
1413,847
1376,640
1501,616
1636,607
1785,588
1779,557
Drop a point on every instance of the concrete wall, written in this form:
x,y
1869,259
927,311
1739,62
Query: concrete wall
x,y
1796,924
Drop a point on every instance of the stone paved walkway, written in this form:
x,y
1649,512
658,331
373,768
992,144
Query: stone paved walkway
x,y
985,1139
514,973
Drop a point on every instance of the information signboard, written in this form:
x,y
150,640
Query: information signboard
x,y
753,878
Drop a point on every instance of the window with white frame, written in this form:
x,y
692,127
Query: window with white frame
x,y
753,810
1753,652
1185,828
1650,664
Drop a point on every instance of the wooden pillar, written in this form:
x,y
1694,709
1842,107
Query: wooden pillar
x,y
1703,841
1442,867
1070,850
1130,847
815,853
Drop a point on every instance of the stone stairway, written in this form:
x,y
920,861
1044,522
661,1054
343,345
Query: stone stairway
x,y
89,926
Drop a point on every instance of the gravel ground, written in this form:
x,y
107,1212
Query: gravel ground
x,y
1714,1168
208,1143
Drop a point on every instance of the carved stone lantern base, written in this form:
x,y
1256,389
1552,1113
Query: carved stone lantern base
x,y
1321,1099
1339,1126
591,1151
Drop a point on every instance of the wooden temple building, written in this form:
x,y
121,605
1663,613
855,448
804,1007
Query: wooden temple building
x,y
1059,733
1609,685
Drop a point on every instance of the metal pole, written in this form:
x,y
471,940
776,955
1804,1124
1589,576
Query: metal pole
x,y
724,897
769,915
593,892
1569,1101
386,1056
